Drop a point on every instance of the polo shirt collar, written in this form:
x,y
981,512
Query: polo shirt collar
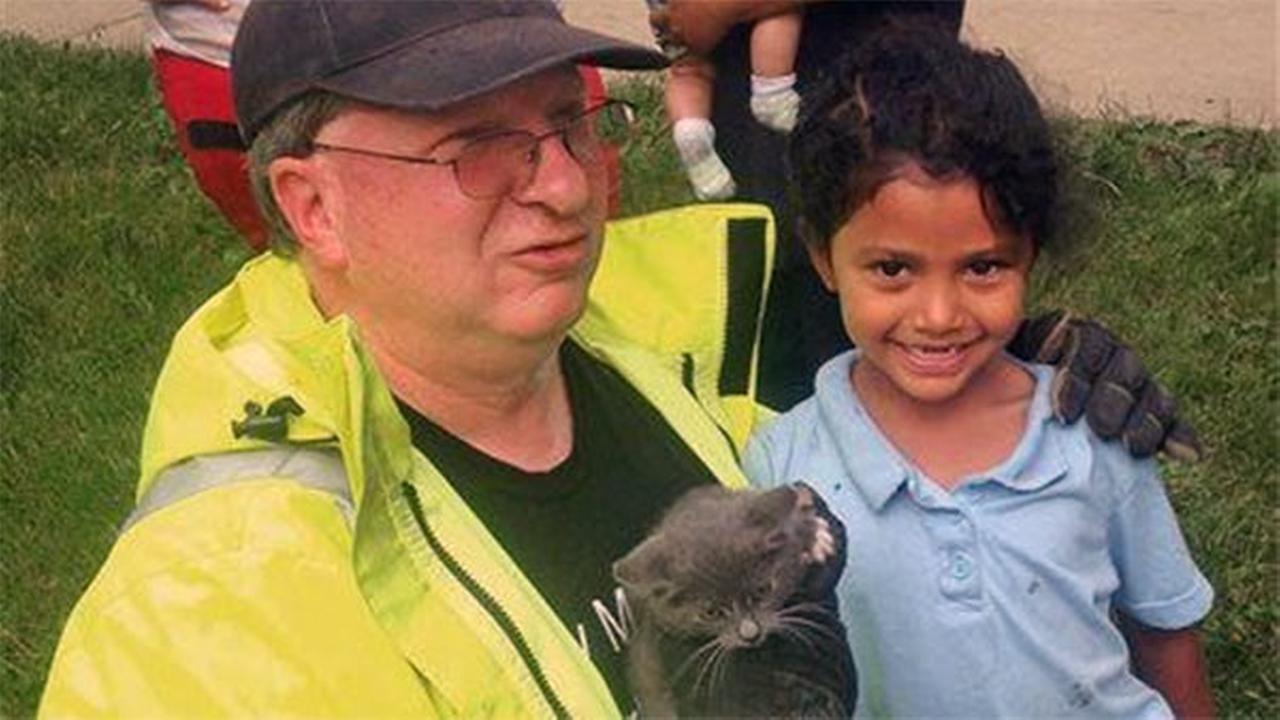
x,y
878,470
1039,458
869,459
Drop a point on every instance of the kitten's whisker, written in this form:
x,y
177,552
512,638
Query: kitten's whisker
x,y
793,632
805,608
801,622
721,669
706,647
706,663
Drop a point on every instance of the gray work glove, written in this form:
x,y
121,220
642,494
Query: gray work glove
x,y
1099,377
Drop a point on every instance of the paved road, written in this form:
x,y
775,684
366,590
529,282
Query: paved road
x,y
1208,60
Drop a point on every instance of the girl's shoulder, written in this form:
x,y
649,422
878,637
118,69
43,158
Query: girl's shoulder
x,y
1105,464
775,445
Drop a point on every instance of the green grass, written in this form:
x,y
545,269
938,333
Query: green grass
x,y
105,246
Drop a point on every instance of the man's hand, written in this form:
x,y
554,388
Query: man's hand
x,y
700,25
1099,377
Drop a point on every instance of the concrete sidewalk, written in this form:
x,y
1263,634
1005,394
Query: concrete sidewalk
x,y
1207,60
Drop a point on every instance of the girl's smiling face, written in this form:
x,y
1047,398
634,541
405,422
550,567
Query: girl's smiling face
x,y
930,290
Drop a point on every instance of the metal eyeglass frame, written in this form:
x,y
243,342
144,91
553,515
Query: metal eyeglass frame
x,y
531,149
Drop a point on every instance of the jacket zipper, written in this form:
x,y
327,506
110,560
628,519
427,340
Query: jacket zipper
x,y
486,600
686,379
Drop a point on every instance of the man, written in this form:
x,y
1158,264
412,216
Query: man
x,y
387,469
295,551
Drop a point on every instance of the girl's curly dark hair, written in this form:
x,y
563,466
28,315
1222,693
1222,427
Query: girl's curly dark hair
x,y
914,93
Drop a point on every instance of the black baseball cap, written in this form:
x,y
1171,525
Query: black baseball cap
x,y
409,54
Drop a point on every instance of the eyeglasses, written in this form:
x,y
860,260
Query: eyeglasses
x,y
495,165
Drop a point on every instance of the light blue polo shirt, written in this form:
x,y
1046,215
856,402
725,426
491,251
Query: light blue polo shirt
x,y
993,600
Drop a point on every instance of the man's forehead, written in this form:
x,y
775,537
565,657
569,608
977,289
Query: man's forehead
x,y
545,92
515,105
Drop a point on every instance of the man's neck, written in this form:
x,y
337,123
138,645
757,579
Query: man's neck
x,y
514,409
507,399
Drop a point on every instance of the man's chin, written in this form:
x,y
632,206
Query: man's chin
x,y
547,315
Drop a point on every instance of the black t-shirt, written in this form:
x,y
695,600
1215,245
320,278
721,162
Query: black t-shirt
x,y
567,526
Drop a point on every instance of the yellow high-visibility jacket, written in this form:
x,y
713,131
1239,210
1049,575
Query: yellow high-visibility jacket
x,y
292,554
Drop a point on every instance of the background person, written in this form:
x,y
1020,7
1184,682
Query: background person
x,y
690,83
190,50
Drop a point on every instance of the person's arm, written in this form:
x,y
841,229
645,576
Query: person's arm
x,y
235,602
701,24
1172,662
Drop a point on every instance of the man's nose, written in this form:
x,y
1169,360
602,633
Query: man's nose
x,y
560,181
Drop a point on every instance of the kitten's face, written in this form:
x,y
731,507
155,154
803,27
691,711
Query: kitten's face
x,y
723,564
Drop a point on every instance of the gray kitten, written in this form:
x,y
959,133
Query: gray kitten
x,y
733,598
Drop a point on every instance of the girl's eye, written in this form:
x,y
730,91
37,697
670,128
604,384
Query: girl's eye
x,y
889,268
986,268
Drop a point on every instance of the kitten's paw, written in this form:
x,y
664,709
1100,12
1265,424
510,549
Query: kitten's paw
x,y
824,543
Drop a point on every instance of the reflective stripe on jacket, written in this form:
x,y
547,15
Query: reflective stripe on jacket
x,y
292,554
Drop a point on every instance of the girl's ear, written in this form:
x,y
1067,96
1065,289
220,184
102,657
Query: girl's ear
x,y
307,196
821,259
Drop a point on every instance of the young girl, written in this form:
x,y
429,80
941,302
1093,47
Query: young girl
x,y
999,564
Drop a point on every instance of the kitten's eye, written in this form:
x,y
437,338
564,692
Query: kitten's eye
x,y
712,613
763,589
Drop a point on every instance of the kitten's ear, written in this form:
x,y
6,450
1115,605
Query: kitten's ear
x,y
644,564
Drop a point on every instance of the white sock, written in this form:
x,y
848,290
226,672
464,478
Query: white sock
x,y
695,140
775,102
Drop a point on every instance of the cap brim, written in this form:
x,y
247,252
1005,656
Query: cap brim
x,y
440,70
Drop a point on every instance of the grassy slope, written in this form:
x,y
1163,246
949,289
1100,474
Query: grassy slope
x,y
105,247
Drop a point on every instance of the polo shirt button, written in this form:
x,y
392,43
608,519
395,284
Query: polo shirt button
x,y
961,566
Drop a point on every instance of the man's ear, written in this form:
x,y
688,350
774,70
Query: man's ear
x,y
307,198
821,259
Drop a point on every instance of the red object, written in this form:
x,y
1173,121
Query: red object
x,y
196,91
612,164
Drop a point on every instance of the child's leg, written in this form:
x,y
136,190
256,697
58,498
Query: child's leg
x,y
688,99
774,44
